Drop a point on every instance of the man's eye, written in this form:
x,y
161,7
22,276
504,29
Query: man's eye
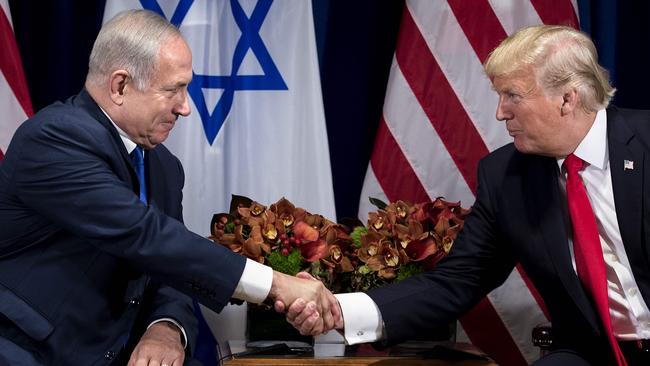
x,y
515,98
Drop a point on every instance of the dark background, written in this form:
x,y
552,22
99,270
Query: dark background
x,y
356,41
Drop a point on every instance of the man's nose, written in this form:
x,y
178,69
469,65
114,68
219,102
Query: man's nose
x,y
502,114
183,108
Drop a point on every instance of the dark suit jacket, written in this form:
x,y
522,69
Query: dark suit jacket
x,y
520,217
76,242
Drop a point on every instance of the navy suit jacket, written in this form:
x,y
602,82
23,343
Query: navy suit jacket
x,y
81,258
520,217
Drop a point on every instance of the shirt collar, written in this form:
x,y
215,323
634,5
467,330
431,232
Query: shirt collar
x,y
593,147
128,144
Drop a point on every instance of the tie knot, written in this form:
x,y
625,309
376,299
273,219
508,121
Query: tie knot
x,y
573,164
137,156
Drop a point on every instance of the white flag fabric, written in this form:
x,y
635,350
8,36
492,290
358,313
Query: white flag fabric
x,y
15,103
439,119
257,126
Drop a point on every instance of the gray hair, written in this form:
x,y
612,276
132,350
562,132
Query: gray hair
x,y
131,41
560,56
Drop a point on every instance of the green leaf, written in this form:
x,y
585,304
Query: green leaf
x,y
356,235
290,264
408,270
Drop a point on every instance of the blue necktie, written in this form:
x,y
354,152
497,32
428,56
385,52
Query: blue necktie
x,y
137,159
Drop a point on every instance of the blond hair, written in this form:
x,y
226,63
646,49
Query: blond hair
x,y
560,57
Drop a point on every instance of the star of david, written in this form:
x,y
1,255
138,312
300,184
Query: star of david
x,y
249,39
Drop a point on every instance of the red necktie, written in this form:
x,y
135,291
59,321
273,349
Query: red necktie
x,y
587,250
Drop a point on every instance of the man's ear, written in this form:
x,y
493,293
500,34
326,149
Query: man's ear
x,y
570,101
119,82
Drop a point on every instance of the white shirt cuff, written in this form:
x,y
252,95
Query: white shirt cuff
x,y
255,282
361,318
177,324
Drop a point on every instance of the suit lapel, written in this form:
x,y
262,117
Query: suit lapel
x,y
155,181
545,206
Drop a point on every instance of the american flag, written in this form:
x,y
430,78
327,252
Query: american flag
x,y
439,120
14,97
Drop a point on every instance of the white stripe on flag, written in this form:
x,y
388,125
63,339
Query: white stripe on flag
x,y
515,14
4,4
520,313
371,188
13,113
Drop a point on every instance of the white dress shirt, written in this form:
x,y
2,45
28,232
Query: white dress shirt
x,y
628,311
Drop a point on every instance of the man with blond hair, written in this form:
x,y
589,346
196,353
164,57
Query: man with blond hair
x,y
568,200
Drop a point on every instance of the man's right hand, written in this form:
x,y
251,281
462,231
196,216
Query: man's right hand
x,y
308,316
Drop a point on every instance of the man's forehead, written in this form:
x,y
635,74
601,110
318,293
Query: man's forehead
x,y
514,80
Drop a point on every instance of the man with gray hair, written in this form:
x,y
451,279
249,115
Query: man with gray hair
x,y
95,263
568,200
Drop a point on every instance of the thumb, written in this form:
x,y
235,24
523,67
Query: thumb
x,y
279,306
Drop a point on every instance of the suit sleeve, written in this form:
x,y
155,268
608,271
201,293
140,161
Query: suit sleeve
x,y
478,262
168,302
69,175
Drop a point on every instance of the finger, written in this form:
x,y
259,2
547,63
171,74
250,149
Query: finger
x,y
335,312
179,361
137,360
279,306
311,324
296,309
309,310
335,309
328,319
317,329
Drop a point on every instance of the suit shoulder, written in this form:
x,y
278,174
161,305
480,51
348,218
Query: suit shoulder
x,y
501,157
625,121
58,117
508,161
166,155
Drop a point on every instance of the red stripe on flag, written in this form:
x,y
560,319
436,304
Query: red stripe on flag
x,y
438,100
559,12
10,64
393,171
491,336
480,25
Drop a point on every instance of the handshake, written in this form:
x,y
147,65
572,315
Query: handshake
x,y
311,308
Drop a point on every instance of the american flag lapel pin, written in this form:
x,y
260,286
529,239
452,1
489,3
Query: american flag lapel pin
x,y
628,165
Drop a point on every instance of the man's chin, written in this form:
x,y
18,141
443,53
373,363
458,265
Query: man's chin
x,y
522,147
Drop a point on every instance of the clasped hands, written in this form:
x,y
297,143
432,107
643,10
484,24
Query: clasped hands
x,y
311,308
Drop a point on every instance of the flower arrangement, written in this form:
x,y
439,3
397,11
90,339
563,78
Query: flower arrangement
x,y
400,240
